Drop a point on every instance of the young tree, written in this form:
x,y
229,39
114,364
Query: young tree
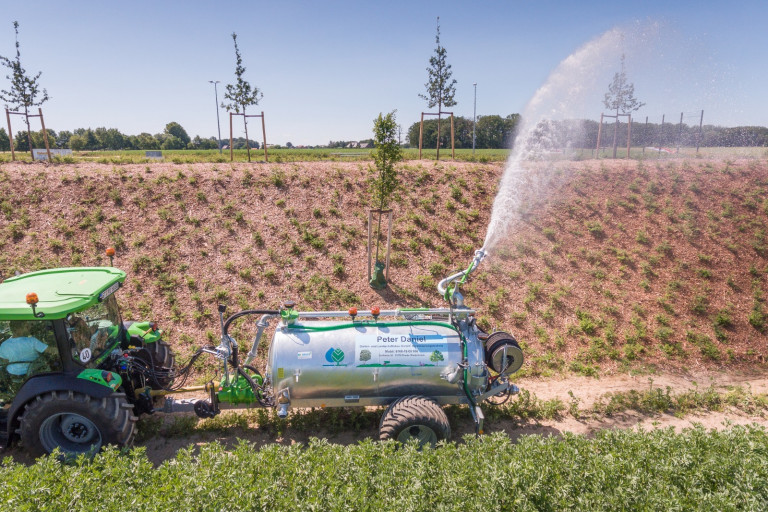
x,y
25,90
241,94
441,88
620,98
385,156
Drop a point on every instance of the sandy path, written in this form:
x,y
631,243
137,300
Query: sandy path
x,y
587,390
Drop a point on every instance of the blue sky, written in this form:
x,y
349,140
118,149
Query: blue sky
x,y
327,69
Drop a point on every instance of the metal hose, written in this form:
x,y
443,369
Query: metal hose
x,y
234,317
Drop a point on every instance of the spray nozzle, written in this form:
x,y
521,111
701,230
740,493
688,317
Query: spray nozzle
x,y
442,286
480,255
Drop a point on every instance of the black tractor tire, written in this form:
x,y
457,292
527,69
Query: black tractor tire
x,y
76,423
161,352
162,355
415,417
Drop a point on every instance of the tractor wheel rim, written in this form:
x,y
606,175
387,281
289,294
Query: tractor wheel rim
x,y
72,433
423,435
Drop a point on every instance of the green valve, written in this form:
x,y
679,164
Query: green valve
x,y
240,392
288,314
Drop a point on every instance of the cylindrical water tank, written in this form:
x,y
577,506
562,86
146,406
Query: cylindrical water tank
x,y
331,364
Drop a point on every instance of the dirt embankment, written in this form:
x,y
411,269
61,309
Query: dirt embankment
x,y
616,265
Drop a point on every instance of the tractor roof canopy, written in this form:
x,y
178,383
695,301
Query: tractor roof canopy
x,y
60,291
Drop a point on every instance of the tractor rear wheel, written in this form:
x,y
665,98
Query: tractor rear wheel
x,y
76,423
415,418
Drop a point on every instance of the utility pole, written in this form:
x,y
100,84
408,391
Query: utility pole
x,y
474,118
645,134
701,124
218,123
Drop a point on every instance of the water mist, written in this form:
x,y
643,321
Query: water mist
x,y
577,82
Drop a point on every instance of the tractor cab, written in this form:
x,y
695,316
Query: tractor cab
x,y
63,320
60,333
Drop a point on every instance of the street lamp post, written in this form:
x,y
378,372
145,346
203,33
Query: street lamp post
x,y
474,118
218,123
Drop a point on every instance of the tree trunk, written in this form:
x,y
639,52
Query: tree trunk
x,y
438,135
378,236
615,133
29,133
247,146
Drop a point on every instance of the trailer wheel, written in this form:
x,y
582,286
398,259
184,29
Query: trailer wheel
x,y
76,423
415,417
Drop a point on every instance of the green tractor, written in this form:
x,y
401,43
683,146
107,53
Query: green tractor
x,y
71,370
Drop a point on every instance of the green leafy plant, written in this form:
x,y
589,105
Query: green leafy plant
x,y
385,181
595,229
700,304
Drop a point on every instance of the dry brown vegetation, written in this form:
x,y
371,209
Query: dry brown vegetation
x,y
629,265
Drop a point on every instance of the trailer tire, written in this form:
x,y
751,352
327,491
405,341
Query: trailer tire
x,y
416,418
76,423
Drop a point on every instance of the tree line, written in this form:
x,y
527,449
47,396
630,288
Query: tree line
x,y
491,132
497,132
582,133
86,139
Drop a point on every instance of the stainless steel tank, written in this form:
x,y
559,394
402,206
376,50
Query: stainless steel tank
x,y
332,364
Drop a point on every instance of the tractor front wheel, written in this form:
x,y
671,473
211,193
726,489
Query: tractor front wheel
x,y
162,355
76,423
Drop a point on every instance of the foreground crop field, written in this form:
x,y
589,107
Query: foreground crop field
x,y
616,470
